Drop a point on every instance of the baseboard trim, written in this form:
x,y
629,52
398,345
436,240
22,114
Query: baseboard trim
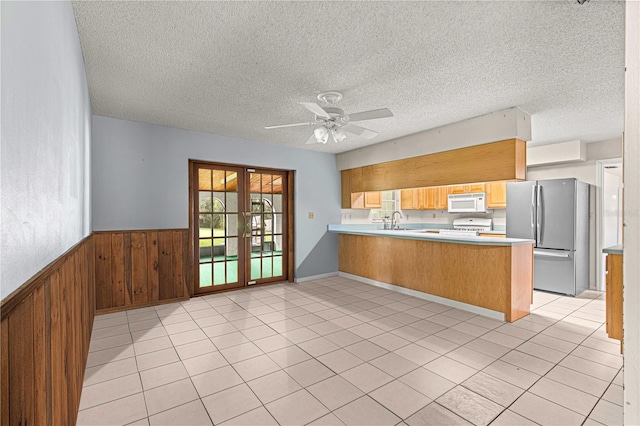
x,y
426,296
316,277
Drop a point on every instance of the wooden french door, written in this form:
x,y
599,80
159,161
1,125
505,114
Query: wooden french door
x,y
239,225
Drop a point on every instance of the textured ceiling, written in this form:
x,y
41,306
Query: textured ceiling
x,y
231,68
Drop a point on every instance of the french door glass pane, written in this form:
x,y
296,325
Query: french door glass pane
x,y
277,223
205,201
232,202
205,275
204,179
219,179
232,225
277,203
256,271
218,273
277,266
267,270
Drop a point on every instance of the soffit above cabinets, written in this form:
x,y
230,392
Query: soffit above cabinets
x,y
231,68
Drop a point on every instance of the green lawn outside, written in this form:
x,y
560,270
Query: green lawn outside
x,y
206,232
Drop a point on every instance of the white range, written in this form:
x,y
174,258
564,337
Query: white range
x,y
469,227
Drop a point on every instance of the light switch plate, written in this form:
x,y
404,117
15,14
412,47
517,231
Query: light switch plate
x,y
310,215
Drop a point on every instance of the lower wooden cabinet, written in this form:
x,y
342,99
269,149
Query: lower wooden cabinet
x,y
614,297
492,235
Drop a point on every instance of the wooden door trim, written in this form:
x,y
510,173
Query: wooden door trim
x,y
290,225
288,218
285,225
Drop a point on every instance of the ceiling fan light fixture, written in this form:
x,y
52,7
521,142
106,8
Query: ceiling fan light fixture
x,y
321,134
338,135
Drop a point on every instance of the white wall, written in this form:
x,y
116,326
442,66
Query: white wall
x,y
140,181
631,273
496,126
46,119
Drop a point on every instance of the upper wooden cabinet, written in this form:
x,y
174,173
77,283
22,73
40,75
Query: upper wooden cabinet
x,y
346,189
466,189
409,199
496,195
503,160
436,197
357,199
373,200
497,161
431,198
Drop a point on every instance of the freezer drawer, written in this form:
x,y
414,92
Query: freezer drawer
x,y
554,270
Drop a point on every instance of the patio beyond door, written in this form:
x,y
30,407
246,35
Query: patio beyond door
x,y
239,226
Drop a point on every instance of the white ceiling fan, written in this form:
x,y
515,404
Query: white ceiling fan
x,y
332,123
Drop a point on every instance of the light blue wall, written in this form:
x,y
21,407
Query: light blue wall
x,y
46,138
140,181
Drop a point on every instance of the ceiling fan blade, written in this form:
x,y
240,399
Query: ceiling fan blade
x,y
370,115
316,109
279,126
312,140
359,131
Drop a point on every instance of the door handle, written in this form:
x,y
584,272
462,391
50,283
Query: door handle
x,y
539,215
548,254
533,208
246,224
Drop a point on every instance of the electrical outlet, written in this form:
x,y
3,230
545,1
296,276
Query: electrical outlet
x,y
310,215
434,215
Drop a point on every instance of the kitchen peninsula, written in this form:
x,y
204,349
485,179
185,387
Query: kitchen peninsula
x,y
491,273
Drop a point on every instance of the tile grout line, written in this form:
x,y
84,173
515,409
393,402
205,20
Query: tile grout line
x,y
384,331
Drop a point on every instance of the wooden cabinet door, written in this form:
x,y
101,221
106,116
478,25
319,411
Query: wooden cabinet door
x,y
406,199
345,176
476,187
496,195
457,189
372,200
442,199
412,199
431,195
357,200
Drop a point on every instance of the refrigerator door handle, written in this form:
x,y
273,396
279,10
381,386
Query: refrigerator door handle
x,y
533,211
549,254
539,214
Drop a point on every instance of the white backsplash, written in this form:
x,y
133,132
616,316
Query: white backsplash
x,y
439,217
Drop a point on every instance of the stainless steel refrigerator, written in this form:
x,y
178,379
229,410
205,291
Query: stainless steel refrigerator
x,y
555,214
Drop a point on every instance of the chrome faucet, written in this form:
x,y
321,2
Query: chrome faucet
x,y
394,225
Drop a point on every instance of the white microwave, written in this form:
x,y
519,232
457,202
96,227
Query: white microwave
x,y
467,203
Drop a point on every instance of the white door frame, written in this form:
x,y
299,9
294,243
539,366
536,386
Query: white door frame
x,y
600,165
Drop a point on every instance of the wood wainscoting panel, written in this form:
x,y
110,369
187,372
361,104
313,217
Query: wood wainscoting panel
x,y
474,274
46,329
141,268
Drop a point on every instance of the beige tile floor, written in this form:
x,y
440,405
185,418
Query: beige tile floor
x,y
336,351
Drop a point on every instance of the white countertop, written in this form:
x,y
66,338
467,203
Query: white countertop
x,y
422,234
618,249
